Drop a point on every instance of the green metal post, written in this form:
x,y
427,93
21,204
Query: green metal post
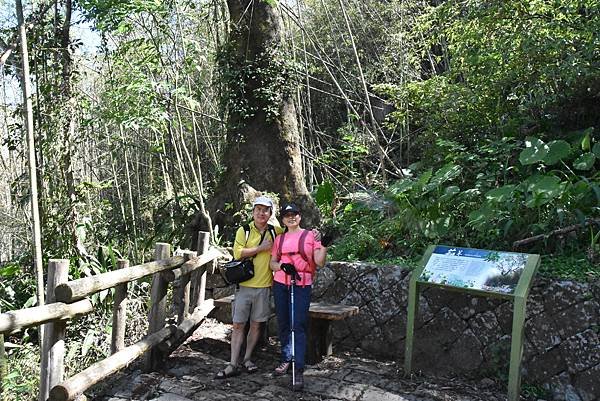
x,y
413,309
516,349
519,313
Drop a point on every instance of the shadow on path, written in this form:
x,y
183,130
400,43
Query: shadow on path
x,y
188,374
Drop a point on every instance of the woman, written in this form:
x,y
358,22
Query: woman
x,y
296,254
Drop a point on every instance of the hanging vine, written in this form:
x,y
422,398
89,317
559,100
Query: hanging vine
x,y
255,85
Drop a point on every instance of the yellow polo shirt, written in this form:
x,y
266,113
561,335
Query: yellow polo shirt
x,y
263,276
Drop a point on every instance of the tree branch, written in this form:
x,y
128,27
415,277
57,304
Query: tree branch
x,y
559,231
13,42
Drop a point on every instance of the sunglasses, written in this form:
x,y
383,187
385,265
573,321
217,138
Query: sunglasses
x,y
290,215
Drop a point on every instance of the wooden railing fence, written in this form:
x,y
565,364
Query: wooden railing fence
x,y
66,300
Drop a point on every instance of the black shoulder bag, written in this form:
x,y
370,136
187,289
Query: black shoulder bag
x,y
238,271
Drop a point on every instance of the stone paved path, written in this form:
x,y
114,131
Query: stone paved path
x,y
188,375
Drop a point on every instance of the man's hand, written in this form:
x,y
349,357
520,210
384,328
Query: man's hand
x,y
265,245
288,268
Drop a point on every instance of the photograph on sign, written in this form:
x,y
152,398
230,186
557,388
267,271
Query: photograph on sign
x,y
477,269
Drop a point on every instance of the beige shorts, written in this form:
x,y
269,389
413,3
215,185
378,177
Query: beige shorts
x,y
251,303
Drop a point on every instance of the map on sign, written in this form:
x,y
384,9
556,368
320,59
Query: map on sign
x,y
474,268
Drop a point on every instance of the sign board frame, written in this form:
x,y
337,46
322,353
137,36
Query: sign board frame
x,y
518,297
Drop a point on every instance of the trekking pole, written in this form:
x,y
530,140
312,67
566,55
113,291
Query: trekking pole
x,y
293,284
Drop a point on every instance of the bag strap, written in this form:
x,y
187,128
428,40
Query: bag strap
x,y
247,232
272,231
280,247
301,248
301,244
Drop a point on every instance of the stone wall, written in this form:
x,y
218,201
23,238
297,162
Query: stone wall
x,y
458,334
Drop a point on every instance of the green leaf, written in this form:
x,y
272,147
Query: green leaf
x,y
103,295
424,178
446,173
543,189
535,151
31,301
449,192
596,149
544,183
10,270
479,217
586,142
585,161
399,187
507,227
88,341
557,150
324,194
501,194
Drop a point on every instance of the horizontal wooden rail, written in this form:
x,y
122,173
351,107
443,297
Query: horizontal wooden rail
x,y
186,328
81,288
72,387
191,265
11,322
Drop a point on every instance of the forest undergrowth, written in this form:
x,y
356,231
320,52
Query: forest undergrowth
x,y
469,123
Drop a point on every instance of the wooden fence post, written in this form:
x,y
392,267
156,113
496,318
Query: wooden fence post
x,y
53,344
199,277
184,291
119,317
158,309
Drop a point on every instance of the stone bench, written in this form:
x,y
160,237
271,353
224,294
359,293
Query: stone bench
x,y
319,340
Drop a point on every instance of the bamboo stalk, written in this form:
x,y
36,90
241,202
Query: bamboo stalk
x,y
131,206
3,364
28,117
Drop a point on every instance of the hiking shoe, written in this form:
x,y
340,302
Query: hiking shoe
x,y
299,384
250,366
229,371
282,369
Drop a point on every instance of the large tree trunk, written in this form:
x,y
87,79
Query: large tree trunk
x,y
263,145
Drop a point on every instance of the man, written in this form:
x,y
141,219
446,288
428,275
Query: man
x,y
252,297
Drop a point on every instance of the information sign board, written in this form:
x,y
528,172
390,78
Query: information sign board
x,y
477,269
489,273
